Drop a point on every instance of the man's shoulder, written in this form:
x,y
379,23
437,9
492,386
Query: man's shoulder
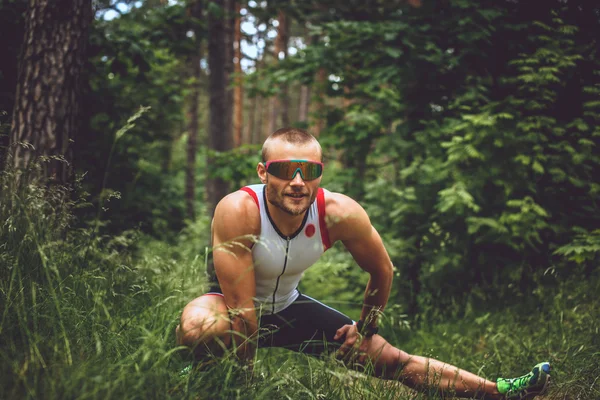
x,y
238,208
338,204
239,201
345,217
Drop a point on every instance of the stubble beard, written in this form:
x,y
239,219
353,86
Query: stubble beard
x,y
279,202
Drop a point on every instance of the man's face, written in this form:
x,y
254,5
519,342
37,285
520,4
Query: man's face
x,y
296,195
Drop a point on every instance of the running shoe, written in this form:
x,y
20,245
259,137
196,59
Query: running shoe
x,y
527,386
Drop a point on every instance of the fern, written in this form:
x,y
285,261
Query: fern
x,y
584,247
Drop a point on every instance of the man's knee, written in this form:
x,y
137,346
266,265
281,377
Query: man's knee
x,y
202,321
197,329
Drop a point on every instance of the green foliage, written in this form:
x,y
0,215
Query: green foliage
x,y
237,166
92,316
124,347
336,280
139,59
469,132
584,248
79,315
504,343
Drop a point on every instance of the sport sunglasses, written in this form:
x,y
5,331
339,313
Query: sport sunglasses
x,y
287,169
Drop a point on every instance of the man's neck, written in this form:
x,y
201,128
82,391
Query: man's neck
x,y
286,223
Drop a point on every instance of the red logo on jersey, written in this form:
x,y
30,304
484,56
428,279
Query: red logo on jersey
x,y
310,230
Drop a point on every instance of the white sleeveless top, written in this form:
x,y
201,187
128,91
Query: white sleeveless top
x,y
279,260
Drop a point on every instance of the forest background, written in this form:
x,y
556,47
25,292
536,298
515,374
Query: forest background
x,y
468,130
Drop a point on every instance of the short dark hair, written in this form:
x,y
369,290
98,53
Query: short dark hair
x,y
290,135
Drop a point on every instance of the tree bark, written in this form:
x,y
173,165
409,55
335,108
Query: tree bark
x,y
249,130
279,104
46,112
318,121
12,21
272,116
195,12
259,132
219,137
238,93
256,113
304,103
229,54
283,35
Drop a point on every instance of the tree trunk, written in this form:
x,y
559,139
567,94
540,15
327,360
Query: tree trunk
x,y
254,128
279,104
229,54
304,101
195,11
46,112
238,94
262,104
259,131
12,20
273,114
249,131
318,121
219,137
283,34
304,104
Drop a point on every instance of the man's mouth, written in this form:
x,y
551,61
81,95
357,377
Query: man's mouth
x,y
296,195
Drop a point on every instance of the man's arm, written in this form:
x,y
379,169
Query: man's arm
x,y
234,227
362,240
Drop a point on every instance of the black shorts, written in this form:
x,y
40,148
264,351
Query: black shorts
x,y
307,326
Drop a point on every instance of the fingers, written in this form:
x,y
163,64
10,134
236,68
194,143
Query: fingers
x,y
352,341
358,353
340,333
354,347
348,333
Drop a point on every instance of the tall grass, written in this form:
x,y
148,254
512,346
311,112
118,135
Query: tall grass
x,y
93,317
82,315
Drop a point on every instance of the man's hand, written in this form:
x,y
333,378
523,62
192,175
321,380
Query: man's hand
x,y
355,345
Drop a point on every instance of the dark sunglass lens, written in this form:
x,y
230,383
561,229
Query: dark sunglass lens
x,y
281,169
312,171
288,169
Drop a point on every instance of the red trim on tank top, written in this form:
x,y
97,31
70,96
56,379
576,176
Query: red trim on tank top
x,y
251,193
213,294
322,225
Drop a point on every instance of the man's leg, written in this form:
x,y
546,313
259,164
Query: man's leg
x,y
421,372
312,326
205,325
309,326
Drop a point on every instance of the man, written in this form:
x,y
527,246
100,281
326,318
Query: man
x,y
265,236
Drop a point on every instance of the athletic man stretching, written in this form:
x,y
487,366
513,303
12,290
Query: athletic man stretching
x,y
265,236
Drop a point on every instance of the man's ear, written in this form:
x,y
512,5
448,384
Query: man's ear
x,y
261,170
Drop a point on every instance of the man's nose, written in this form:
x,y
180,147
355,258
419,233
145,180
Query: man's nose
x,y
297,179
